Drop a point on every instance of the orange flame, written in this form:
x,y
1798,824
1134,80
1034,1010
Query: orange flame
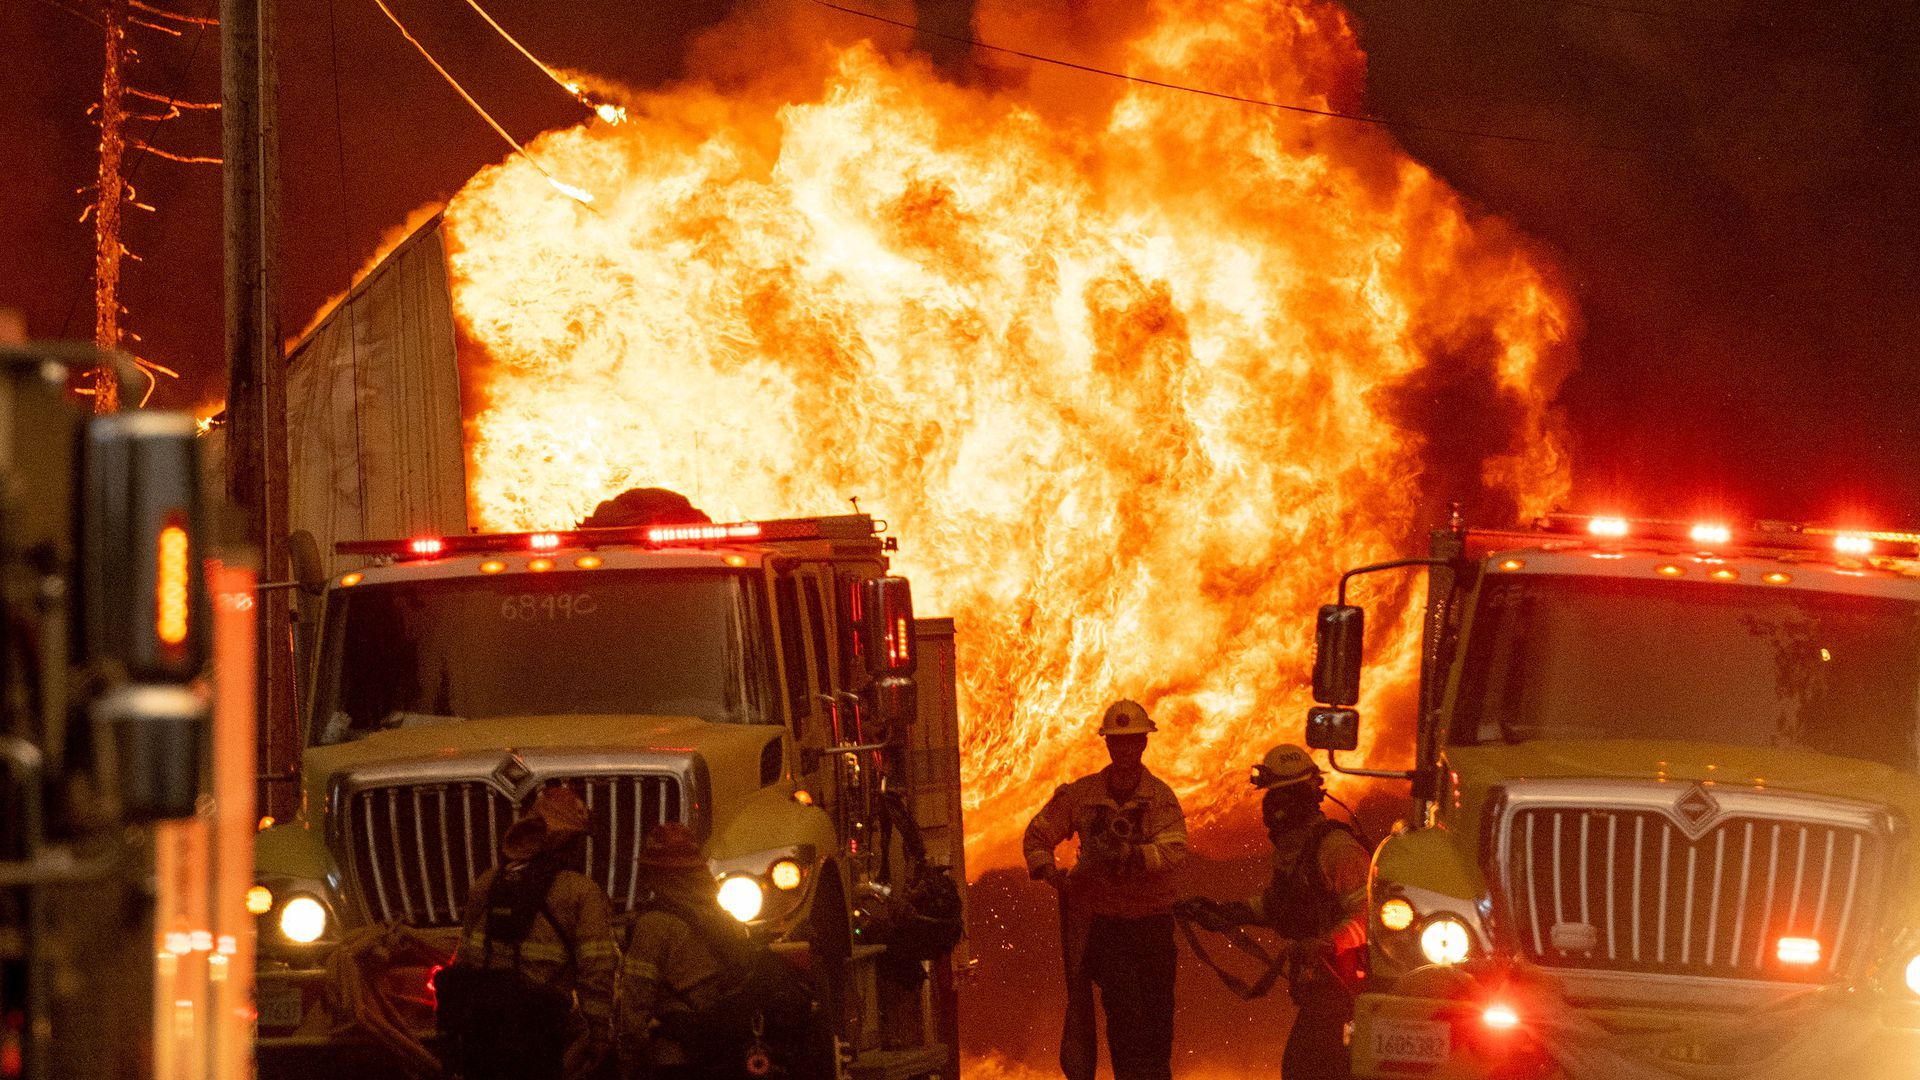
x,y
1125,368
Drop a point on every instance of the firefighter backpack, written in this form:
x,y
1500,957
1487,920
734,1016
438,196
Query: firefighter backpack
x,y
478,1006
767,1023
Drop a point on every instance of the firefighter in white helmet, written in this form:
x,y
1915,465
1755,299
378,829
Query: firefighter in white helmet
x,y
1116,904
1316,898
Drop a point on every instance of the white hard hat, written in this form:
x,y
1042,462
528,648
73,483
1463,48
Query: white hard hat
x,y
1284,766
1125,717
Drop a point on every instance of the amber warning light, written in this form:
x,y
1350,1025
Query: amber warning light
x,y
1798,951
171,578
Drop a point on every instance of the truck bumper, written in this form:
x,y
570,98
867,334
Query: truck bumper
x,y
1400,1036
298,1038
1395,1036
319,1057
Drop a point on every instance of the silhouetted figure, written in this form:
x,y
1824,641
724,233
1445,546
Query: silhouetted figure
x,y
1116,905
645,506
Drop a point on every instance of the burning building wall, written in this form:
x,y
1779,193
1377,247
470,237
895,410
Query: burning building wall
x,y
1133,372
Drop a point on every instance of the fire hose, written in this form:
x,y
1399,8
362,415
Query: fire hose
x,y
1273,965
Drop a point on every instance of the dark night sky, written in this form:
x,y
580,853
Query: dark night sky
x,y
1747,280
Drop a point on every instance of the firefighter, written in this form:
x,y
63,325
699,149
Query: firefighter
x,y
1116,904
670,973
530,992
1316,898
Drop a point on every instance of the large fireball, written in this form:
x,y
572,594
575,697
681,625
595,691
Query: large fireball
x,y
1132,373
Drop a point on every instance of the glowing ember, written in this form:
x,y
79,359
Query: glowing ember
x,y
1125,368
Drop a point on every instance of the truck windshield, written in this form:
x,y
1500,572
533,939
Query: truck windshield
x,y
1578,657
663,643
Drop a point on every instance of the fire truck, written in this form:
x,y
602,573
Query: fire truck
x,y
764,682
126,758
1664,782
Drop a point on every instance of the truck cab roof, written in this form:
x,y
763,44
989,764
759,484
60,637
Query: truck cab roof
x,y
738,545
1766,553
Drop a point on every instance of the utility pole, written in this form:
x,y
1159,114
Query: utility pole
x,y
108,194
256,363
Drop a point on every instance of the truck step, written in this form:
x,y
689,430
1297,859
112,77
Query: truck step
x,y
915,1061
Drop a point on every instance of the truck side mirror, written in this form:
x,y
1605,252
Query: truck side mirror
x,y
896,703
886,626
1333,729
308,571
1336,655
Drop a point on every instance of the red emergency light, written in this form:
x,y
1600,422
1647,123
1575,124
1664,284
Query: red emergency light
x,y
1853,544
694,534
1696,535
839,527
1708,533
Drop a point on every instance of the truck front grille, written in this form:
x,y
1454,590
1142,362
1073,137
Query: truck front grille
x,y
1630,891
414,850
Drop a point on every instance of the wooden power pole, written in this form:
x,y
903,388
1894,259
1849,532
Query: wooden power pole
x,y
256,361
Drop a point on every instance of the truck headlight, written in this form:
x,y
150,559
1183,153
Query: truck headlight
x,y
259,900
1445,940
1913,976
742,897
303,920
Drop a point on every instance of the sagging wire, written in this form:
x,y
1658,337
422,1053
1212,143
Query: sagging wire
x,y
579,195
1331,114
612,114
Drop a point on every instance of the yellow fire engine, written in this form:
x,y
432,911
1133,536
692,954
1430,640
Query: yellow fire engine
x,y
1664,778
764,682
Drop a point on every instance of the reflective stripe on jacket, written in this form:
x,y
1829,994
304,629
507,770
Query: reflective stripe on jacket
x,y
577,911
1128,847
668,970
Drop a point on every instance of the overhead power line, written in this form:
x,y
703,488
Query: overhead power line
x,y
612,114
1331,114
579,195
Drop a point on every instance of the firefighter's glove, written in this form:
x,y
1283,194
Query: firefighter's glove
x,y
1309,954
1050,874
587,1054
1105,851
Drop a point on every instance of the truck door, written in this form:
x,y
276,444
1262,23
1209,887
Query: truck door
x,y
808,669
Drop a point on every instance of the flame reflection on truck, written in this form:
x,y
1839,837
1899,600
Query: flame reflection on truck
x,y
606,642
1583,657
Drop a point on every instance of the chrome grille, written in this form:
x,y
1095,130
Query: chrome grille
x,y
1657,900
414,850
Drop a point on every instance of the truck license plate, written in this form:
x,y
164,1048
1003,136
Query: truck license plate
x,y
1412,1042
279,1005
